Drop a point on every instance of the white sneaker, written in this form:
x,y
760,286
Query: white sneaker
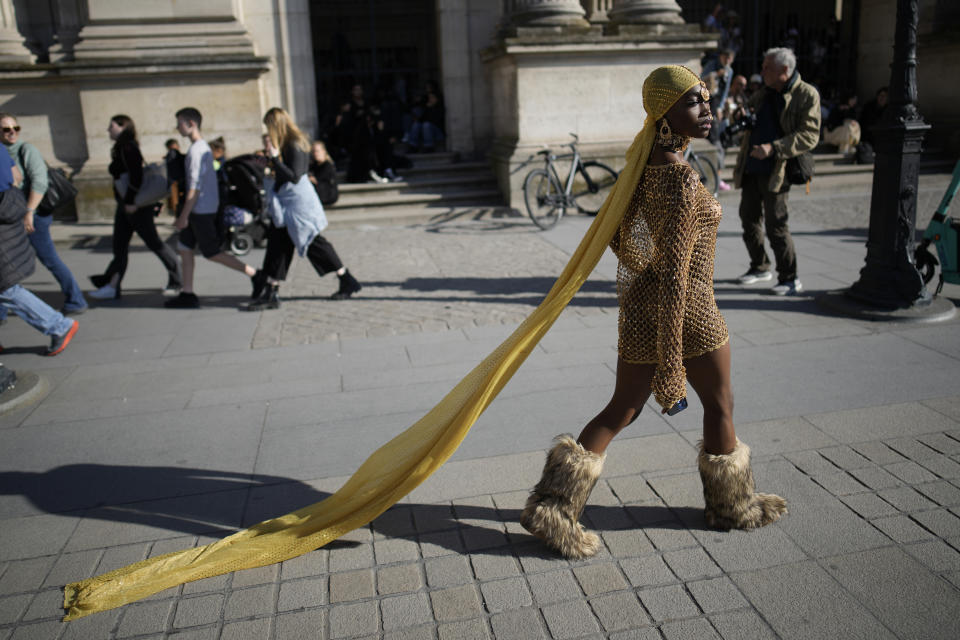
x,y
376,177
106,292
755,275
788,288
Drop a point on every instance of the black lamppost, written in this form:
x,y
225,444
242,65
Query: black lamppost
x,y
890,285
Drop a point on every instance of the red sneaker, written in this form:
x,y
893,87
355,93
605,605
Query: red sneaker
x,y
59,343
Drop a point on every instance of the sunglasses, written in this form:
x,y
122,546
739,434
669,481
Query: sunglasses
x,y
11,129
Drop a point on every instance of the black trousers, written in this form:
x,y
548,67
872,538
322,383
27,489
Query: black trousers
x,y
279,255
141,222
764,210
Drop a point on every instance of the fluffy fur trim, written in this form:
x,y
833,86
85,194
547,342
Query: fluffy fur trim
x,y
728,491
555,504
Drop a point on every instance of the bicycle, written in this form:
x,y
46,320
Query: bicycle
x,y
705,167
586,187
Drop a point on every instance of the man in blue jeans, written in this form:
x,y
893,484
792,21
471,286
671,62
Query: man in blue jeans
x,y
36,221
17,262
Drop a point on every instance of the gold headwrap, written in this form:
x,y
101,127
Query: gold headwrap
x,y
400,465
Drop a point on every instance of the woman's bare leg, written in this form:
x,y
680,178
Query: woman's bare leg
x,y
709,375
629,395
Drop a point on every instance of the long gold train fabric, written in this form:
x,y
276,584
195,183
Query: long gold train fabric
x,y
394,469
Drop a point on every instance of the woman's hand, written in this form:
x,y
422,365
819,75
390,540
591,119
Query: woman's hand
x,y
271,150
28,222
130,208
181,222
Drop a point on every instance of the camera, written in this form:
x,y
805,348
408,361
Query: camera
x,y
745,122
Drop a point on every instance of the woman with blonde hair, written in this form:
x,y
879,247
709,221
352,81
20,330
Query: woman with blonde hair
x,y
297,213
670,331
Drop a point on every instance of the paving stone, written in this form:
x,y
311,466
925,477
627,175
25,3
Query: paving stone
x,y
347,620
73,566
901,529
448,571
869,505
12,607
397,579
644,633
667,539
646,571
434,517
254,601
553,586
619,611
476,539
745,550
718,594
840,483
302,625
844,457
395,521
940,521
688,564
666,603
45,604
608,518
876,478
802,601
632,489
810,462
888,421
405,611
25,575
351,558
942,466
940,442
910,472
943,493
395,550
247,629
456,603
519,624
424,632
741,625
475,629
877,452
570,620
259,575
696,629
501,595
912,448
936,555
308,565
441,543
206,585
624,544
89,627
536,557
488,567
192,612
142,618
877,577
206,633
351,586
906,499
599,578
117,557
302,594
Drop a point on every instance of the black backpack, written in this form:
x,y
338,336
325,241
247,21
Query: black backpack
x,y
242,183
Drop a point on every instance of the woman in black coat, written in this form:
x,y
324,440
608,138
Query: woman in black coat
x,y
125,157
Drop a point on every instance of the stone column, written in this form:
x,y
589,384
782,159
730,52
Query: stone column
x,y
12,48
597,10
546,13
69,17
645,12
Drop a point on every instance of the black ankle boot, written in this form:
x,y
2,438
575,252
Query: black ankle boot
x,y
259,281
348,287
269,299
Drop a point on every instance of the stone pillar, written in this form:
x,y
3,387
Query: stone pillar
x,y
645,12
69,18
546,13
12,49
597,10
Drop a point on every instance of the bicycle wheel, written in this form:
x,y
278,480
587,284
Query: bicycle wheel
x,y
543,198
592,186
707,171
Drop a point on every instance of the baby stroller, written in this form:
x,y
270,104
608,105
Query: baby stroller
x,y
943,233
243,218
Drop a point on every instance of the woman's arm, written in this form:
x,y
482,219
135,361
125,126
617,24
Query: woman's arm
x,y
291,164
133,163
679,236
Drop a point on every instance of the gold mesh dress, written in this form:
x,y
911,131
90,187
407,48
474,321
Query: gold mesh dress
x,y
665,247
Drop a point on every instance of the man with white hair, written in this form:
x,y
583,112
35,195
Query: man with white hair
x,y
787,125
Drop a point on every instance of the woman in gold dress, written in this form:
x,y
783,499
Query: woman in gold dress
x,y
670,332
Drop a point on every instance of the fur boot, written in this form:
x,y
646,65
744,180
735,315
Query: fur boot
x,y
728,492
555,504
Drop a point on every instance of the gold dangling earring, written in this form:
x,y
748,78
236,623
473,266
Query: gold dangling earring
x,y
669,140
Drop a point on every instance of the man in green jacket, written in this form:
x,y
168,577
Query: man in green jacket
x,y
787,112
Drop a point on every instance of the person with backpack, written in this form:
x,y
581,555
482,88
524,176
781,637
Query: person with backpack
x,y
125,158
37,220
298,215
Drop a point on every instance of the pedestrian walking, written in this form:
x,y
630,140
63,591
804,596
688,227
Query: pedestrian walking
x,y
670,331
37,220
125,158
298,215
787,125
17,262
